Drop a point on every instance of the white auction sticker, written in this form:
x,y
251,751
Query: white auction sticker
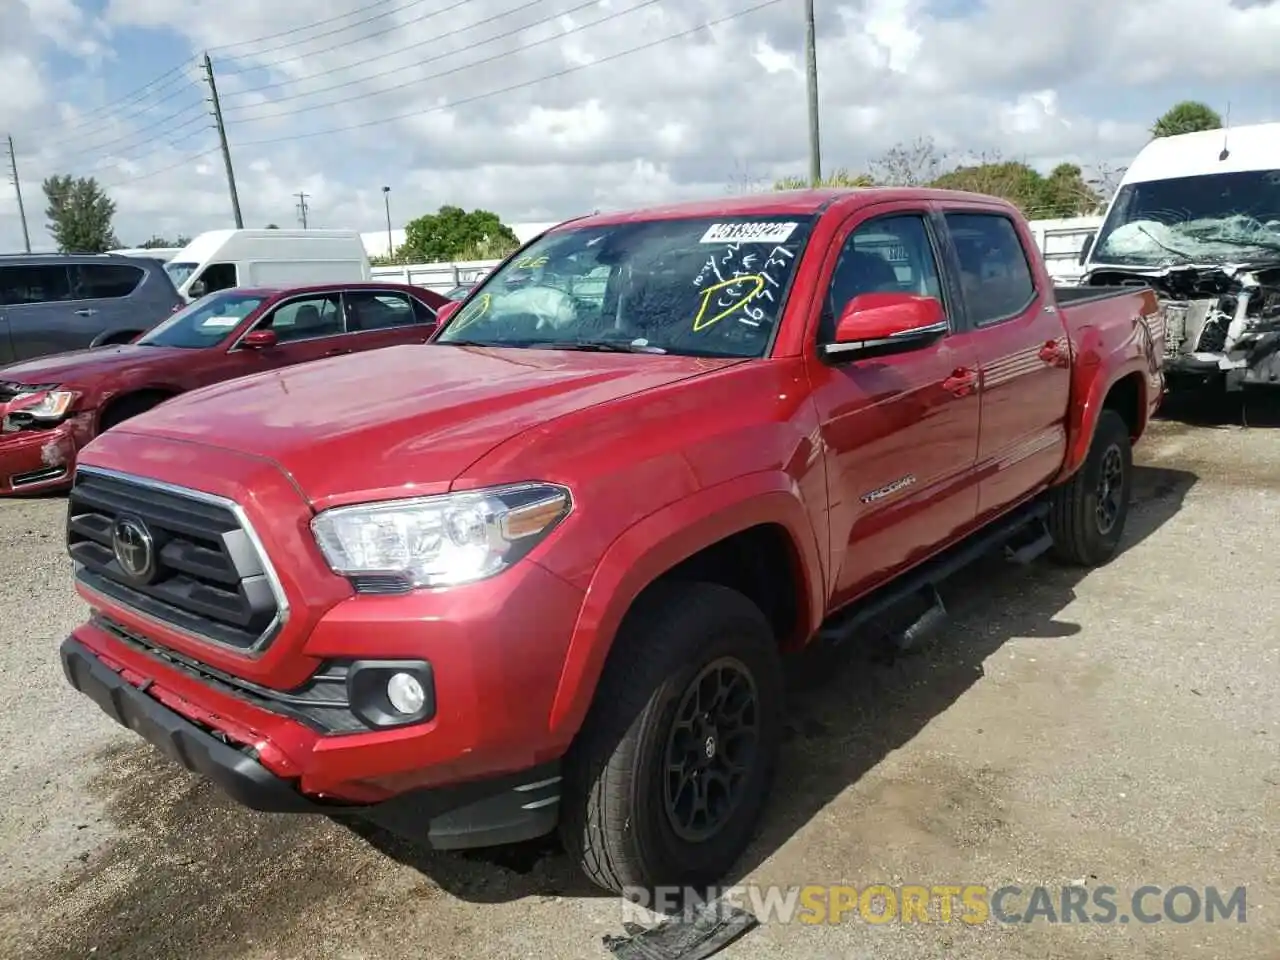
x,y
221,321
748,232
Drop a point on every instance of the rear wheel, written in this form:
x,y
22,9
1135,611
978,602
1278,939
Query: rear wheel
x,y
669,776
1088,513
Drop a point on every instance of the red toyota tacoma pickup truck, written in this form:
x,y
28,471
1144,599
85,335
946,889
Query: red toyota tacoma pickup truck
x,y
540,573
52,406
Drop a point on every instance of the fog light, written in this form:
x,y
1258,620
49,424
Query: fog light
x,y
405,693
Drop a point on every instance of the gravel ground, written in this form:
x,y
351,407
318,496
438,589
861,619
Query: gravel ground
x,y
1117,728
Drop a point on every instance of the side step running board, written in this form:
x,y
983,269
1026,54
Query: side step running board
x,y
1025,527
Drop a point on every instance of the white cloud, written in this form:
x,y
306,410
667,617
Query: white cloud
x,y
1078,80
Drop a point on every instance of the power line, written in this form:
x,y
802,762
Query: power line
x,y
458,69
155,173
138,137
319,23
342,43
139,93
432,41
518,86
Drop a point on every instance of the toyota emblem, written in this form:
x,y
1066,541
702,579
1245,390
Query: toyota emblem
x,y
133,547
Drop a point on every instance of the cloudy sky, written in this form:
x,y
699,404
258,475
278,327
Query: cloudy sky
x,y
538,110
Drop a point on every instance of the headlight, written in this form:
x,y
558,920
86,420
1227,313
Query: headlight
x,y
438,541
43,403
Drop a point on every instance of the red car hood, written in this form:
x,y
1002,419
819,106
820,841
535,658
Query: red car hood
x,y
401,421
72,368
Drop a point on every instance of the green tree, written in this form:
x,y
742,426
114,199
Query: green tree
x,y
451,233
80,214
1064,193
1189,116
840,178
155,243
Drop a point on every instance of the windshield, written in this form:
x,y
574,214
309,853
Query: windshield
x,y
179,272
1210,218
700,287
205,323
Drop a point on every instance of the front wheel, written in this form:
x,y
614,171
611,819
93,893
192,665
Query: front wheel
x,y
670,774
1087,513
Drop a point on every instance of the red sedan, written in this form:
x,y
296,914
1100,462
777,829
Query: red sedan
x,y
53,406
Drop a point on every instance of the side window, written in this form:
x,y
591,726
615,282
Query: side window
x,y
42,284
219,276
369,310
95,281
994,273
305,319
891,254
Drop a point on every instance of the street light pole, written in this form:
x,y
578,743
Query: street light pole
x,y
386,200
811,78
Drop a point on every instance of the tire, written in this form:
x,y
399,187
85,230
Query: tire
x,y
615,820
1081,535
127,407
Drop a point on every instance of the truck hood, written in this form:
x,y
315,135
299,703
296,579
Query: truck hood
x,y
80,365
402,421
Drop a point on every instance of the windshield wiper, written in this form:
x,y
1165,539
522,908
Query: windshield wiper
x,y
1243,242
601,346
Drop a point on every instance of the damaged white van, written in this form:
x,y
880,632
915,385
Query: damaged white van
x,y
221,259
1197,216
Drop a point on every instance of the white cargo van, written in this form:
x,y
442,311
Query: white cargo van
x,y
1197,217
221,259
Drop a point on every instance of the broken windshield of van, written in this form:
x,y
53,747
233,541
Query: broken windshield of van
x,y
1211,218
709,286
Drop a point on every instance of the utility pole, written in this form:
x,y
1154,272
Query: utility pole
x,y
17,189
222,138
811,71
302,208
386,200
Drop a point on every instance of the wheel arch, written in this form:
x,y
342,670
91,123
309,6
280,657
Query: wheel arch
x,y
749,534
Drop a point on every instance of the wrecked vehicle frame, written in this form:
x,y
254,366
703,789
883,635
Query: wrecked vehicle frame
x,y
1222,320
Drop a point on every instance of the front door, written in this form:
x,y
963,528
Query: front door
x,y
900,431
1025,366
309,327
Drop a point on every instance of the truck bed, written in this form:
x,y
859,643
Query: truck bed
x,y
1070,296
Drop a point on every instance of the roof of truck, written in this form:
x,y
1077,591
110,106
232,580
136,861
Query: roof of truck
x,y
804,202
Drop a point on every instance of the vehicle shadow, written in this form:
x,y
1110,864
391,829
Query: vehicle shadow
x,y
850,707
1258,407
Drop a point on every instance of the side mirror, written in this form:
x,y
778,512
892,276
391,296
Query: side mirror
x,y
259,339
197,290
1087,247
447,311
887,323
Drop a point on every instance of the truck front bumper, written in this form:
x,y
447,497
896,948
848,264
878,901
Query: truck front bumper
x,y
488,812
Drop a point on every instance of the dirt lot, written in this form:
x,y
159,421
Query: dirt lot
x,y
1119,728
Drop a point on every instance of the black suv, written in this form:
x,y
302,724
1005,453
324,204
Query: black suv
x,y
52,303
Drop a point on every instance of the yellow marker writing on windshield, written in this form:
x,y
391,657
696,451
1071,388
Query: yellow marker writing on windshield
x,y
530,263
755,281
472,312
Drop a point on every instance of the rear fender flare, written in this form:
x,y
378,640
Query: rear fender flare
x,y
655,545
1095,375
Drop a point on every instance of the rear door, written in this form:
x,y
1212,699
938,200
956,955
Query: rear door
x,y
1024,355
102,293
384,318
900,431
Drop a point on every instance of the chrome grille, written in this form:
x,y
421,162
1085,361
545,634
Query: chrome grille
x,y
206,575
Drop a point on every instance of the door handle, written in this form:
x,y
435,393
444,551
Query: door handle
x,y
337,352
86,312
960,382
1051,352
